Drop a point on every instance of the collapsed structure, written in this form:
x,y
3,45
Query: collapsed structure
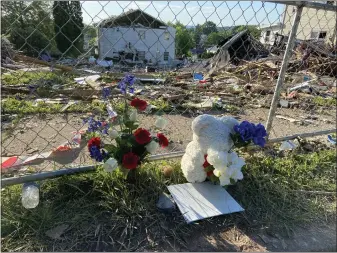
x,y
136,37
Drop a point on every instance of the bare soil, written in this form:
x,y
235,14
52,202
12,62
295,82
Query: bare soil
x,y
316,237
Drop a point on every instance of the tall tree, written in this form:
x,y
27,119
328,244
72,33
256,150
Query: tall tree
x,y
209,27
28,25
68,26
184,39
197,34
216,37
252,29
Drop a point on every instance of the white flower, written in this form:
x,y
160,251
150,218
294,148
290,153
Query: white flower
x,y
237,175
231,170
113,133
110,165
191,163
152,147
160,122
235,162
224,180
133,115
217,159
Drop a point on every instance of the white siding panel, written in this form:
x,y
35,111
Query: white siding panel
x,y
116,39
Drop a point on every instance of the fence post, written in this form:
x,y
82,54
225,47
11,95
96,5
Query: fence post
x,y
284,66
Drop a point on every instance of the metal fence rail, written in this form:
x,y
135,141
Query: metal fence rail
x,y
266,62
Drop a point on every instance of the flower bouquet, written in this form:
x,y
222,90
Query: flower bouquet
x,y
211,154
225,167
119,142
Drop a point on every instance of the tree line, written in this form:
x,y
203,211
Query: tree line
x,y
205,35
37,26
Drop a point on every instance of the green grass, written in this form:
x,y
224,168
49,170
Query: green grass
x,y
162,105
22,107
105,213
328,102
30,77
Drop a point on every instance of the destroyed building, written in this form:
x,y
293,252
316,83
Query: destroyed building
x,y
137,37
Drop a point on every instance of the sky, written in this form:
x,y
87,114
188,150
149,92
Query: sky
x,y
190,13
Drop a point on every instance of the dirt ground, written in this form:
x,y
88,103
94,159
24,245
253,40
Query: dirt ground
x,y
315,238
37,134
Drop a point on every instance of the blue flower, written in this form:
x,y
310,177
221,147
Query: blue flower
x,y
97,154
259,135
126,83
94,125
246,130
130,79
122,86
106,92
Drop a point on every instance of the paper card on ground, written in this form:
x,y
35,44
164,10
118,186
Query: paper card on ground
x,y
198,201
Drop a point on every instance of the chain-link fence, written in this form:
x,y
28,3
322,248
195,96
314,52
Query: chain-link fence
x,y
259,61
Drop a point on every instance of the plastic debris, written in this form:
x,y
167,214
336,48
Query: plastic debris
x,y
30,195
104,63
331,140
284,103
198,76
165,203
55,233
288,145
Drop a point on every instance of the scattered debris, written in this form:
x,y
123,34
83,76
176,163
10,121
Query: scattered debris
x,y
331,140
288,145
104,63
284,103
7,51
241,46
165,203
55,233
288,118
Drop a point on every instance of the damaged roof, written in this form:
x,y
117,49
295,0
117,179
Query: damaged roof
x,y
132,18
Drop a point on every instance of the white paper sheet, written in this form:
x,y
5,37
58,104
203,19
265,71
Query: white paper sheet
x,y
198,201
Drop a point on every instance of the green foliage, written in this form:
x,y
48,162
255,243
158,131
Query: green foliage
x,y
216,37
99,206
68,26
23,107
197,34
21,21
184,40
213,38
86,202
161,105
206,55
252,29
30,77
209,27
328,102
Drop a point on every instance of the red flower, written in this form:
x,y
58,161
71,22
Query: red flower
x,y
139,104
142,136
206,164
95,141
209,173
130,161
163,141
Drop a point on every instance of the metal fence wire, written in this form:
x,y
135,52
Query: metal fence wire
x,y
267,62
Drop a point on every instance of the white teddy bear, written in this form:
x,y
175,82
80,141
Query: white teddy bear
x,y
211,137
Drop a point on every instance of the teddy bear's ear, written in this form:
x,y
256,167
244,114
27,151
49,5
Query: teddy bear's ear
x,y
202,122
229,121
